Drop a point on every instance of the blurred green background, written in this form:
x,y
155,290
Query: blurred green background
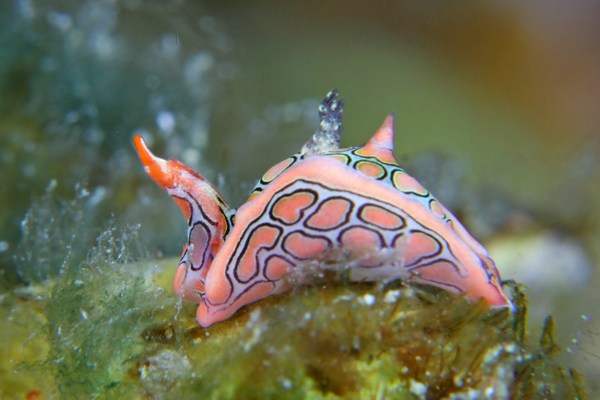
x,y
496,105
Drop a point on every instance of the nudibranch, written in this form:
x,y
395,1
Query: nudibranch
x,y
352,207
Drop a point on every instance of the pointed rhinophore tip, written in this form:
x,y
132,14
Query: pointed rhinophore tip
x,y
143,151
385,134
154,166
381,145
390,121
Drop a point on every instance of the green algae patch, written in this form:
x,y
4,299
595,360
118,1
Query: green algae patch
x,y
107,327
85,324
366,341
24,346
96,313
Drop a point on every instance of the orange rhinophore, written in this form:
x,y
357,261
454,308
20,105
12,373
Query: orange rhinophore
x,y
209,218
355,207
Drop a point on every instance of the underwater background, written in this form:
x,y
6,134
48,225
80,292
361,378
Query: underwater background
x,y
496,113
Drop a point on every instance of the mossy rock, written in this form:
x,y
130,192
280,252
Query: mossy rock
x,y
107,330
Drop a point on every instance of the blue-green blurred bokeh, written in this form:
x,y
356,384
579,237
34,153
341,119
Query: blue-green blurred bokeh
x,y
495,102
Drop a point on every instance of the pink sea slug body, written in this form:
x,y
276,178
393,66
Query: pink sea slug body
x,y
352,207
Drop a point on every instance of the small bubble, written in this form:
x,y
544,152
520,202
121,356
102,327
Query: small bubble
x,y
71,117
291,112
29,170
61,21
25,8
169,45
196,67
287,384
103,44
166,121
585,317
191,156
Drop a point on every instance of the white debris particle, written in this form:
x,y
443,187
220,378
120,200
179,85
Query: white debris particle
x,y
257,327
418,389
391,296
492,354
368,299
470,394
84,314
457,380
97,196
511,348
342,298
3,246
307,316
52,185
286,383
254,318
83,192
164,370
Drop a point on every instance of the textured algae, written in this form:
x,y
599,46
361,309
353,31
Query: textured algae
x,y
54,231
77,78
92,312
111,332
363,341
67,334
24,346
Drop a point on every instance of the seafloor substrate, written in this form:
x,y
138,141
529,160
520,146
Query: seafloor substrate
x,y
103,329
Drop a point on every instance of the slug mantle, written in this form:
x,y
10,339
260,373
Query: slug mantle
x,y
325,206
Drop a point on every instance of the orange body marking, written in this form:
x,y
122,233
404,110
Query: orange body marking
x,y
354,205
